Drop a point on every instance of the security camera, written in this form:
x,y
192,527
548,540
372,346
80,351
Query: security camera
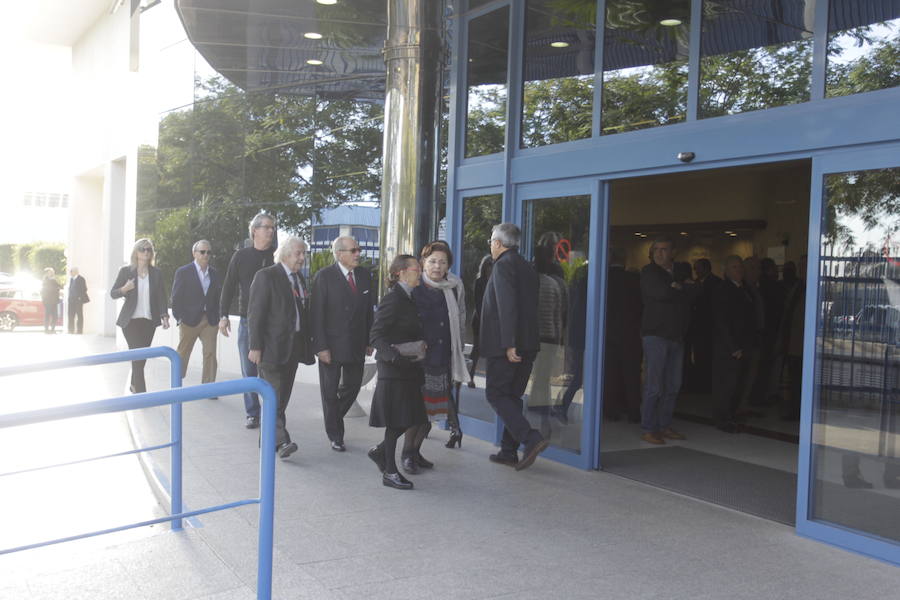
x,y
685,156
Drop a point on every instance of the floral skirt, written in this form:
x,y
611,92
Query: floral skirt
x,y
436,392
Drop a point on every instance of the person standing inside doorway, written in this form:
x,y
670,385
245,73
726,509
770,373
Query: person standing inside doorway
x,y
243,266
664,322
76,298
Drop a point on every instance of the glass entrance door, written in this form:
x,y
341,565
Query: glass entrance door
x,y
853,436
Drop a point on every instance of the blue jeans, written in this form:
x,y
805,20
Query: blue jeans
x,y
248,369
662,380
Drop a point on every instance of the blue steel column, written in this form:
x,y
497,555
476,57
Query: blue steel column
x,y
175,452
266,494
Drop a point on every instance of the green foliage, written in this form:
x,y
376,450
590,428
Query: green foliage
x,y
43,255
574,268
320,260
173,241
20,258
7,258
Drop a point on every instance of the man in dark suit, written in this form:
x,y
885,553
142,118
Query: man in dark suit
x,y
77,297
279,329
699,340
622,345
510,342
341,311
195,306
734,341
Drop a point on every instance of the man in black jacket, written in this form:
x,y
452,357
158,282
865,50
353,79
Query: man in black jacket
x,y
279,330
510,341
76,299
343,298
243,266
664,322
735,338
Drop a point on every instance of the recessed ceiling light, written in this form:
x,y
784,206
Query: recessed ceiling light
x,y
637,233
560,44
684,233
733,234
312,35
314,61
670,22
327,1
728,232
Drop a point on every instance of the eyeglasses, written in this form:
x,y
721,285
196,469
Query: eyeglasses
x,y
204,251
351,250
145,249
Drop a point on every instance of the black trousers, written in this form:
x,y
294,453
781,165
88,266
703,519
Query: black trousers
x,y
728,385
76,317
339,384
139,334
506,382
50,311
622,381
281,377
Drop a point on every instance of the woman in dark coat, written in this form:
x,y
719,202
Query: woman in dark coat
x,y
145,306
50,298
397,404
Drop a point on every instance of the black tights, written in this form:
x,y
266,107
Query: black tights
x,y
415,435
391,435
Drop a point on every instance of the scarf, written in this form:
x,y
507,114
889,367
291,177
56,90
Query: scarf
x,y
457,316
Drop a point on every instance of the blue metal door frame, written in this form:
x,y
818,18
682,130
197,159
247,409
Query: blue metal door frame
x,y
877,156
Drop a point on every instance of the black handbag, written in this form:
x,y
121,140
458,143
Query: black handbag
x,y
411,350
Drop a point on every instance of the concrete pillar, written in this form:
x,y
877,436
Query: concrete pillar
x,y
411,55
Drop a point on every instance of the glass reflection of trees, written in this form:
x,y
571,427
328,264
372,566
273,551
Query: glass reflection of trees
x,y
862,57
857,376
488,51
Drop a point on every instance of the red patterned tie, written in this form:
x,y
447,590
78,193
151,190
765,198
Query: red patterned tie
x,y
351,281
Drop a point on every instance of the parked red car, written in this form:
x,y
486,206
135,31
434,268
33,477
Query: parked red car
x,y
18,307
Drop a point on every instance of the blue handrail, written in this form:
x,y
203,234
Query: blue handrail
x,y
174,397
176,422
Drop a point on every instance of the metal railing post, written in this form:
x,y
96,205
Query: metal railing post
x,y
175,451
266,496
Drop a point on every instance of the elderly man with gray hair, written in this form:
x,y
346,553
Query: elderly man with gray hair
x,y
280,338
195,306
510,342
243,266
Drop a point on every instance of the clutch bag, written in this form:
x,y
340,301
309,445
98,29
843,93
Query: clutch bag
x,y
411,350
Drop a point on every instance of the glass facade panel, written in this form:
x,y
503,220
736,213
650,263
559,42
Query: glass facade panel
x,y
558,72
857,377
486,90
645,70
755,54
480,214
863,46
556,235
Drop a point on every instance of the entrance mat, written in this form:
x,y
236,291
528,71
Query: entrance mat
x,y
761,491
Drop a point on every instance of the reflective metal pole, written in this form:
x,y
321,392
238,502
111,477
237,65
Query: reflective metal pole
x,y
175,450
411,56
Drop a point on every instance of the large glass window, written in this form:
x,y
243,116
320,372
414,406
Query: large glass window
x,y
863,46
857,376
556,238
558,72
645,71
487,56
755,54
480,214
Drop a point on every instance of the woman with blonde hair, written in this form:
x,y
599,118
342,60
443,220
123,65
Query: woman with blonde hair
x,y
145,306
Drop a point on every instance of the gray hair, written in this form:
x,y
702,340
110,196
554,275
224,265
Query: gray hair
x,y
257,220
196,245
287,246
336,245
508,234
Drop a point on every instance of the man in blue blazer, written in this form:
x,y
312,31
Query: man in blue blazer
x,y
195,305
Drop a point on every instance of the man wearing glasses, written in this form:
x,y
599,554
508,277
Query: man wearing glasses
x,y
195,306
243,266
341,311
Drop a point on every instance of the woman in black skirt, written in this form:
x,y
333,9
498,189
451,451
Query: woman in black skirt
x,y
397,404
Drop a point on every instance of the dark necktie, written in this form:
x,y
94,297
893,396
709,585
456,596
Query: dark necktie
x,y
298,295
351,282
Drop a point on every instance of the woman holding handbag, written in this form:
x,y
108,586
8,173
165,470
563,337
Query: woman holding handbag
x,y
145,307
397,337
441,307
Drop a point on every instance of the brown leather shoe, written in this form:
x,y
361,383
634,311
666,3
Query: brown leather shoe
x,y
671,434
651,437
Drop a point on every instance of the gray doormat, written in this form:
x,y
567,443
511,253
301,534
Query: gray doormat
x,y
761,491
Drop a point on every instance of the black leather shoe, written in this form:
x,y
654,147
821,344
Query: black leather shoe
x,y
376,453
338,446
252,423
422,462
286,449
501,458
396,481
409,465
531,452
